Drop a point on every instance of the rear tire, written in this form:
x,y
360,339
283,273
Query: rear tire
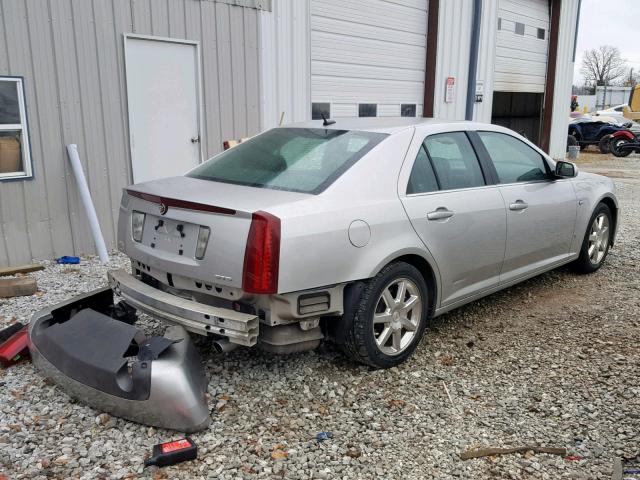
x,y
596,242
615,144
571,141
603,144
385,317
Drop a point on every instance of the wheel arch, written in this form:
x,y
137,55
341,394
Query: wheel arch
x,y
425,267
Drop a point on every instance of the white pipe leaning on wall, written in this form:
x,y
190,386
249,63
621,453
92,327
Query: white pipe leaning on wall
x,y
85,195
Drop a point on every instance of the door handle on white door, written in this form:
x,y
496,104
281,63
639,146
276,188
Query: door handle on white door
x,y
195,139
440,213
518,205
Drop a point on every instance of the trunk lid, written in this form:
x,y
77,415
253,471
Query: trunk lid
x,y
175,209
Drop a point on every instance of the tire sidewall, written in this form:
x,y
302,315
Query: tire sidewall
x,y
366,312
588,265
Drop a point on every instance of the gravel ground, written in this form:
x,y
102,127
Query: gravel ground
x,y
553,361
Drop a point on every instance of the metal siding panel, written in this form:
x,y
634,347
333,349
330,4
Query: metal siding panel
x,y
122,23
236,38
115,152
176,18
454,30
93,148
141,16
31,193
564,78
210,80
300,95
70,113
160,17
224,67
486,60
251,71
285,63
45,141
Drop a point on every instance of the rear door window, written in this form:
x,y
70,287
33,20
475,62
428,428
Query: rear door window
x,y
303,160
454,161
515,161
422,178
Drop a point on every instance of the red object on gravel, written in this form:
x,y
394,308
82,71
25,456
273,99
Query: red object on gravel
x,y
15,348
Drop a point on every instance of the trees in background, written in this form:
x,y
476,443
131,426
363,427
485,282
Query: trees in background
x,y
604,66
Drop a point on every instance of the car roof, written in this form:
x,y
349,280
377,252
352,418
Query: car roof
x,y
374,124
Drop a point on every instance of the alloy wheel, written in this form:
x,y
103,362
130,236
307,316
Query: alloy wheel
x,y
397,316
598,238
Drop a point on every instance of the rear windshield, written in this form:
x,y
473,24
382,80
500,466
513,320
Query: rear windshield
x,y
305,160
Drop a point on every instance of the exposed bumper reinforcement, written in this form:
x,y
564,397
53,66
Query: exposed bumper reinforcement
x,y
240,328
155,381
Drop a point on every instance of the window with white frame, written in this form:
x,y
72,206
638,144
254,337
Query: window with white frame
x,y
15,154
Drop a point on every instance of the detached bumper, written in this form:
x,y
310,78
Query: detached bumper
x,y
240,328
116,368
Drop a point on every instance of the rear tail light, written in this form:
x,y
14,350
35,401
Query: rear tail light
x,y
262,256
137,224
203,240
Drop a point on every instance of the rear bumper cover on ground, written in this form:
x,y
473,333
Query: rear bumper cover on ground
x,y
240,328
156,381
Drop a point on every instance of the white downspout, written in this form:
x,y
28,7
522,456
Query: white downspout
x,y
85,195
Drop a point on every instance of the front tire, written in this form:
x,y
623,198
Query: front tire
x,y
386,319
597,240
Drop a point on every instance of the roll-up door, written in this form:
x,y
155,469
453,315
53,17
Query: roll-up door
x,y
522,46
368,57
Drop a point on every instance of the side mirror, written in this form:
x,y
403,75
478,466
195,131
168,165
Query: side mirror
x,y
566,170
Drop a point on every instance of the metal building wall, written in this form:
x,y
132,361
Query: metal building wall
x,y
454,37
70,53
564,77
285,62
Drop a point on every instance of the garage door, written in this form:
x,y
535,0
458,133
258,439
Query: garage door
x,y
522,46
368,57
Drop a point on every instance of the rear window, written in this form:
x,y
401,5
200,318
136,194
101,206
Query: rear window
x,y
305,160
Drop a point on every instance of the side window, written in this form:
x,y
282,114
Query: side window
x,y
15,154
454,161
515,161
422,179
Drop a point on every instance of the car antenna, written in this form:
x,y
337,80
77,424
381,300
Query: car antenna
x,y
325,122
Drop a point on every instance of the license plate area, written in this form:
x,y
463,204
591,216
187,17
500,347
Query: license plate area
x,y
171,236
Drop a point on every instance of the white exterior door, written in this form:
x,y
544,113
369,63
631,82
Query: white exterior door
x,y
522,46
368,55
164,108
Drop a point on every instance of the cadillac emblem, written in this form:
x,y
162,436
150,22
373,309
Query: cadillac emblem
x,y
163,208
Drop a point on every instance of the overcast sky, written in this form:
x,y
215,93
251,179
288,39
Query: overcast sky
x,y
610,22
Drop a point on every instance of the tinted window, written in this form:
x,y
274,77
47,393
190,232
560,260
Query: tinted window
x,y
422,178
367,110
296,159
541,33
519,28
454,161
408,110
515,161
318,109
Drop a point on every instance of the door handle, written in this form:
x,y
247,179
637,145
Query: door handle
x,y
518,205
440,213
195,139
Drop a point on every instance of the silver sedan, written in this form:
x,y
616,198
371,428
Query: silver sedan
x,y
357,230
